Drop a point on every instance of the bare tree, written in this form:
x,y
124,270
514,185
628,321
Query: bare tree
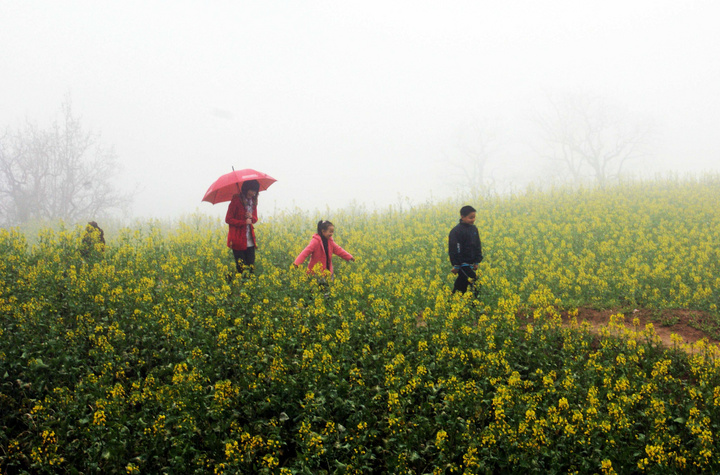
x,y
63,172
589,137
476,147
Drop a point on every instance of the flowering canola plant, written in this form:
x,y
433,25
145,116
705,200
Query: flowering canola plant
x,y
153,356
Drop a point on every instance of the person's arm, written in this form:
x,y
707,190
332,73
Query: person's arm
x,y
305,253
233,217
478,256
342,252
454,248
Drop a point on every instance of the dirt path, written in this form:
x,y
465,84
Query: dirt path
x,y
666,323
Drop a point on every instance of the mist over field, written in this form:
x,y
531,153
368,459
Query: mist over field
x,y
585,134
367,103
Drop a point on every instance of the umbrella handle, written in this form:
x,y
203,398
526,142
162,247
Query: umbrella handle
x,y
236,183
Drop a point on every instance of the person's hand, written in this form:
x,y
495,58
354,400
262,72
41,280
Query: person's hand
x,y
352,259
454,270
475,267
295,265
248,221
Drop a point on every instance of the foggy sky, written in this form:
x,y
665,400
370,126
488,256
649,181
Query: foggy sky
x,y
351,101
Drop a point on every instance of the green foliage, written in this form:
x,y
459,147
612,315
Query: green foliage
x,y
158,358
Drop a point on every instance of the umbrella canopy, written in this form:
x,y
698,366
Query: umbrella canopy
x,y
229,184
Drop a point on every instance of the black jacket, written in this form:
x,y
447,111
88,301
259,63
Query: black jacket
x,y
464,245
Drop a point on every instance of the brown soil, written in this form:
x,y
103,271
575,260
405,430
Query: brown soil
x,y
680,322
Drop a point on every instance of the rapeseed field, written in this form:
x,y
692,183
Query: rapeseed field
x,y
151,356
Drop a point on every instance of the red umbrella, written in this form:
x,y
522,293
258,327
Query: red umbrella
x,y
229,184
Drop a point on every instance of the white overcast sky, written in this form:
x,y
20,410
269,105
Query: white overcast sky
x,y
350,101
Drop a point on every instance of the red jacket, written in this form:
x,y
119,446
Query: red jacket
x,y
317,253
235,217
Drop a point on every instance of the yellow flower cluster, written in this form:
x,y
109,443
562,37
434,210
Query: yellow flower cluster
x,y
155,356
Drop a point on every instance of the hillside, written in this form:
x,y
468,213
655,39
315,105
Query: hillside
x,y
148,358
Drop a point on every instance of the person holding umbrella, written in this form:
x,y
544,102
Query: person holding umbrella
x,y
241,216
241,188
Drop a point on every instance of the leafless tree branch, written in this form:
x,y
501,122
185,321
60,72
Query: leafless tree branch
x,y
591,138
63,172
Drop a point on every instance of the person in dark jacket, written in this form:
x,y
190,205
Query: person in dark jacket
x,y
93,241
465,250
241,216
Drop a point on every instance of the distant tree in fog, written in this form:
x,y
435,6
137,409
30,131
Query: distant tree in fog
x,y
476,146
59,173
589,137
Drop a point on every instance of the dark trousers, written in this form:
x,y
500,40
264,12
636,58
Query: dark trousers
x,y
244,260
464,275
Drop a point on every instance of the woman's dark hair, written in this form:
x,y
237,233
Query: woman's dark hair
x,y
250,185
323,225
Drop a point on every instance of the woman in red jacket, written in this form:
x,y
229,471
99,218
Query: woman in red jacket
x,y
241,215
321,249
